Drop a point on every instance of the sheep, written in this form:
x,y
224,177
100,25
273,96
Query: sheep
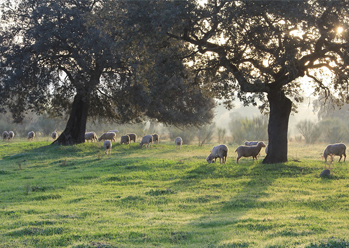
x,y
31,135
125,139
11,135
179,142
91,136
335,149
133,137
54,135
248,151
156,138
107,146
220,151
146,140
108,136
4,135
251,143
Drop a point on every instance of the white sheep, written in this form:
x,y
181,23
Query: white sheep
x,y
11,135
107,146
335,149
220,151
31,135
54,135
108,136
248,151
91,136
146,140
156,138
125,139
251,143
179,142
4,135
133,137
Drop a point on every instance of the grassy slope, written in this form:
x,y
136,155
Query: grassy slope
x,y
77,196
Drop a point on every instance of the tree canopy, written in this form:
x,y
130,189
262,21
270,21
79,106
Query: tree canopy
x,y
260,50
59,57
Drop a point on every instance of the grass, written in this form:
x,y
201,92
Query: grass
x,y
76,196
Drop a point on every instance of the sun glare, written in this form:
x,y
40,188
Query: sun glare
x,y
339,30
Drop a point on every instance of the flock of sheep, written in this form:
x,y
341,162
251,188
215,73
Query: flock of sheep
x,y
110,136
250,149
10,135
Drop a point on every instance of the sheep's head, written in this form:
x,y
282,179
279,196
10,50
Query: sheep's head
x,y
209,159
261,144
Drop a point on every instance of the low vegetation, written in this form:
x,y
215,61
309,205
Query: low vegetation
x,y
76,196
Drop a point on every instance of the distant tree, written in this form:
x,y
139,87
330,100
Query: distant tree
x,y
221,132
205,133
310,131
249,129
330,108
334,130
259,50
62,58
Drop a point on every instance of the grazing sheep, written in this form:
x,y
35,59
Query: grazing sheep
x,y
220,151
156,138
133,137
179,142
31,135
11,135
125,139
4,135
91,136
251,143
335,149
108,136
54,135
248,151
107,146
146,140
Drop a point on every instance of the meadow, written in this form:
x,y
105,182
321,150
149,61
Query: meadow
x,y
77,196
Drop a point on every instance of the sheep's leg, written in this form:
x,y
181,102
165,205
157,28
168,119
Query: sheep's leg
x,y
237,160
345,156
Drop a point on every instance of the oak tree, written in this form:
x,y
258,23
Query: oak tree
x,y
262,52
59,57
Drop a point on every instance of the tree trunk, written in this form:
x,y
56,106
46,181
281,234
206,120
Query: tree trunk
x,y
74,132
280,109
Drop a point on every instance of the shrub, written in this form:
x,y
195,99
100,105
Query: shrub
x,y
309,130
205,133
249,129
334,130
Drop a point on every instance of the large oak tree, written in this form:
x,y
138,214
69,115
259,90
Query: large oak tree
x,y
60,57
261,50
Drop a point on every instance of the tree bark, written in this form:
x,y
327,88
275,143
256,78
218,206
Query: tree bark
x,y
280,109
74,132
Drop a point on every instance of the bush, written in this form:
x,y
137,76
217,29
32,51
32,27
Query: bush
x,y
309,130
187,134
334,130
255,129
205,133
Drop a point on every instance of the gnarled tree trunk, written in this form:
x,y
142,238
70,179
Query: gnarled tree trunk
x,y
74,132
280,109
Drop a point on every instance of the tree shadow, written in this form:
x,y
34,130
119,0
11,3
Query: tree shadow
x,y
256,180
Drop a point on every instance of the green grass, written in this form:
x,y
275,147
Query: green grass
x,y
56,196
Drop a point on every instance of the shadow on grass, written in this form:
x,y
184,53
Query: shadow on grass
x,y
255,179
